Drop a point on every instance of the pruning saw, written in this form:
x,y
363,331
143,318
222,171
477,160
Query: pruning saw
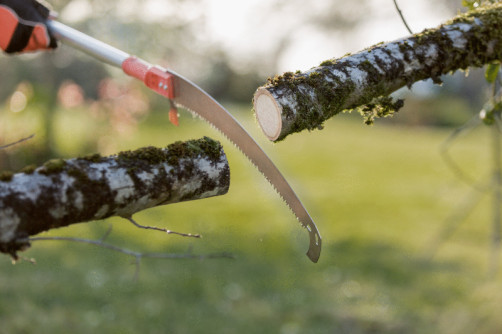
x,y
183,93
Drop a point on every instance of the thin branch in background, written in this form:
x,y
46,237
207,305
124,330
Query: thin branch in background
x,y
17,142
402,17
138,256
494,187
454,220
26,259
107,233
162,229
497,192
450,162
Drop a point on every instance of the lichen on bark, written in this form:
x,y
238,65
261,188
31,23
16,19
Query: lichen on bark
x,y
63,192
306,99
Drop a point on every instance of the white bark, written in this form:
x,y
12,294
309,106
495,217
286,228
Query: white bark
x,y
64,192
297,101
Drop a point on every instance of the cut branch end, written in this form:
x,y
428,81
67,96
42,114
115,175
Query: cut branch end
x,y
268,114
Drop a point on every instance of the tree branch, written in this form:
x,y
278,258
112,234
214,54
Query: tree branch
x,y
293,102
64,192
402,17
138,256
162,229
17,142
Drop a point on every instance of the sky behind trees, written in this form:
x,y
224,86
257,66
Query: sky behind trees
x,y
290,33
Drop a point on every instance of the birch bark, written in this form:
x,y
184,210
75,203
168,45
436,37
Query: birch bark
x,y
293,102
64,192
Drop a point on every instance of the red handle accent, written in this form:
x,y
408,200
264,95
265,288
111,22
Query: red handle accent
x,y
173,116
154,77
158,80
136,68
8,23
18,35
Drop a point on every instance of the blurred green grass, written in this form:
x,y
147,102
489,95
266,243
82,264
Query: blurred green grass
x,y
379,195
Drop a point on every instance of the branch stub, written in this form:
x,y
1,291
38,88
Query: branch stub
x,y
268,114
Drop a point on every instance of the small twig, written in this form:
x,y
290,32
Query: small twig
x,y
27,259
137,263
402,17
163,229
107,233
17,142
450,162
136,255
454,220
497,191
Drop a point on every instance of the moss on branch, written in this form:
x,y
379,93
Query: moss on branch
x,y
63,192
306,99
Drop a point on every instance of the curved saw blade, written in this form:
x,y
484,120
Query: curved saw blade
x,y
190,96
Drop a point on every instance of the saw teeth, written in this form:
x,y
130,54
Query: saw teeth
x,y
304,225
313,252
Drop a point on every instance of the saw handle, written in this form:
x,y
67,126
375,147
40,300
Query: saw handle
x,y
78,40
154,77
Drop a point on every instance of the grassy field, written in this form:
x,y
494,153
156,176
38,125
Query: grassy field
x,y
380,196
